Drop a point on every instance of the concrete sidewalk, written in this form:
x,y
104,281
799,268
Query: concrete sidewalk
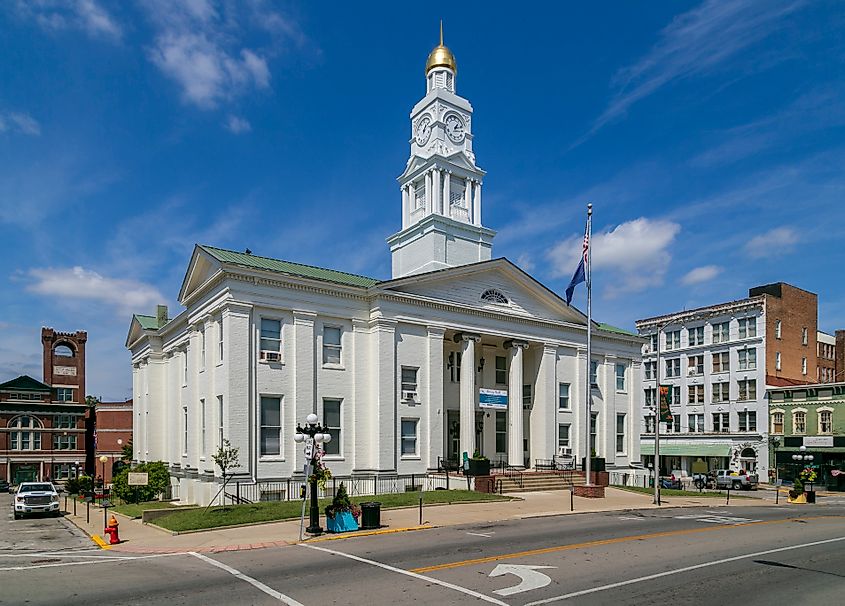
x,y
142,538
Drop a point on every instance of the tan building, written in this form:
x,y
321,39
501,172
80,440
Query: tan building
x,y
826,357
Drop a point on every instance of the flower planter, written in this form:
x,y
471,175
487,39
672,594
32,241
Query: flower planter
x,y
343,521
797,497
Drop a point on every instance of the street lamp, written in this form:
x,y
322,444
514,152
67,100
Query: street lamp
x,y
103,460
312,434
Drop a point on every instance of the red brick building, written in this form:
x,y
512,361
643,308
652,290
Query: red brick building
x,y
46,426
114,431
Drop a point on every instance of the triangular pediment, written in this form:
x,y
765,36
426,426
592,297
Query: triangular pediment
x,y
457,159
497,286
202,267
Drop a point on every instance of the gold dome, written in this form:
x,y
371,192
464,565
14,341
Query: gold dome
x,y
441,56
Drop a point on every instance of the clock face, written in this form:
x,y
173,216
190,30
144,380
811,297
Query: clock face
x,y
423,130
455,128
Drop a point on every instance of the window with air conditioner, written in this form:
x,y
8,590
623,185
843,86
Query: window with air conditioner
x,y
721,422
563,443
695,365
409,383
271,339
331,345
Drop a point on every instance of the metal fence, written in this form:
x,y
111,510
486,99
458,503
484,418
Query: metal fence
x,y
356,486
630,477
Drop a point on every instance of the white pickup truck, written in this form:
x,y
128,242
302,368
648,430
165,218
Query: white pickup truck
x,y
725,478
35,497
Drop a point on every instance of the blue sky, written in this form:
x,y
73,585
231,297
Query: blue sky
x,y
708,136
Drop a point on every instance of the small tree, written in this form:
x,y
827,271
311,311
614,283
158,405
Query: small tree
x,y
126,452
226,458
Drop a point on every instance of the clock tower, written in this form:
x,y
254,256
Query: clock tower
x,y
441,184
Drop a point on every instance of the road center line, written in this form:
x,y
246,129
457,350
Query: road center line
x,y
411,574
254,582
667,573
613,541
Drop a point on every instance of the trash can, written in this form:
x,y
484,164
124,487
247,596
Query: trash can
x,y
370,515
811,496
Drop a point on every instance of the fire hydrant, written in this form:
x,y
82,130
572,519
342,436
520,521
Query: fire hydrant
x,y
111,530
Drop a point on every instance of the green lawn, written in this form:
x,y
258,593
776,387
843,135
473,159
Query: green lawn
x,y
671,492
133,510
199,519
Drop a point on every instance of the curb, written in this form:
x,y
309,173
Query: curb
x,y
356,534
100,542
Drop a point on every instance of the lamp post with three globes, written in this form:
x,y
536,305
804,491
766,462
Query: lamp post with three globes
x,y
313,435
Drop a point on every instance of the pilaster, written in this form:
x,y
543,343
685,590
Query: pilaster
x,y
468,363
385,400
431,441
515,381
544,411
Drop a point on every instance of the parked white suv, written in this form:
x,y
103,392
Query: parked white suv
x,y
35,497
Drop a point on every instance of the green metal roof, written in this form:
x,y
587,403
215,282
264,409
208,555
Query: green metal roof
x,y
686,450
621,331
147,322
25,383
287,267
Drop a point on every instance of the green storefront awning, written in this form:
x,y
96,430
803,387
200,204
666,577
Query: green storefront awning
x,y
686,450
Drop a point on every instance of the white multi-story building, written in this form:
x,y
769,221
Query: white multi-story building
x,y
395,368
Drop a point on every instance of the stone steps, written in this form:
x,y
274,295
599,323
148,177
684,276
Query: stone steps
x,y
536,482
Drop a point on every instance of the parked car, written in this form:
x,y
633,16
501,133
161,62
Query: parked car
x,y
735,480
35,497
4,486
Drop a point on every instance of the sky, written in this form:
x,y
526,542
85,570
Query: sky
x,y
707,135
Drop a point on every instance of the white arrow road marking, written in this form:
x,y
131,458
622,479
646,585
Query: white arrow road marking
x,y
529,577
486,535
728,520
629,518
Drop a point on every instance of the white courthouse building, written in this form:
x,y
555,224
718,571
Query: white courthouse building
x,y
395,368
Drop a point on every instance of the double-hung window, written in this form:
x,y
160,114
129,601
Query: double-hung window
x,y
747,327
409,437
331,345
271,426
501,370
653,342
695,365
696,336
271,338
594,370
64,441
747,420
721,392
202,349
620,433
673,340
721,362
649,424
825,421
695,394
563,434
202,428
721,332
721,422
747,389
620,377
650,397
650,369
799,421
777,422
747,359
563,402
331,419
220,341
220,421
673,368
184,431
501,431
696,423
64,394
64,422
409,383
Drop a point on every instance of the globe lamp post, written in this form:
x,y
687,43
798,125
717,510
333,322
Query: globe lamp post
x,y
313,435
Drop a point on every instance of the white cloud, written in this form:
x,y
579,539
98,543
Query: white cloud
x,y
126,296
19,122
694,43
701,274
525,262
198,47
635,254
85,15
238,125
772,243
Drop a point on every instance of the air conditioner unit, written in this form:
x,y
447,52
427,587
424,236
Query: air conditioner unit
x,y
564,451
409,395
691,370
271,356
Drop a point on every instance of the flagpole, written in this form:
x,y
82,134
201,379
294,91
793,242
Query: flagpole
x,y
588,418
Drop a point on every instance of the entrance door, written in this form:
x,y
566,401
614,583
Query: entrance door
x,y
526,438
479,433
25,473
453,436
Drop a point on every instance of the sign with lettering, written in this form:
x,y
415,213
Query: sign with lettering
x,y
493,398
65,371
818,441
138,478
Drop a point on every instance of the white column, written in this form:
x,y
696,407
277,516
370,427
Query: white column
x,y
515,433
436,207
544,410
468,394
434,411
476,205
428,203
447,210
413,198
406,208
468,196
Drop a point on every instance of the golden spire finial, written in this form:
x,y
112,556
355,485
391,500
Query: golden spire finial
x,y
441,56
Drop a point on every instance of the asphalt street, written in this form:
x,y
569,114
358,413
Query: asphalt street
x,y
718,555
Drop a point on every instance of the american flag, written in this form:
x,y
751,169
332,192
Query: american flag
x,y
586,245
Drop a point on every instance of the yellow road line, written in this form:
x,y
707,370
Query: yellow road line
x,y
637,537
99,541
353,535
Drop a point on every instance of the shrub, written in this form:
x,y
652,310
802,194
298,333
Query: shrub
x,y
158,481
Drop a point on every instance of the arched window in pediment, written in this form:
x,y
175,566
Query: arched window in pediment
x,y
491,295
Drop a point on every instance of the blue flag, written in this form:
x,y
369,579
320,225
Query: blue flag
x,y
580,276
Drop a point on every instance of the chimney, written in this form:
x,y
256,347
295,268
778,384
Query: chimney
x,y
161,315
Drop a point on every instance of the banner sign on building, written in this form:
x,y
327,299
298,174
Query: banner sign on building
x,y
665,399
493,398
818,441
